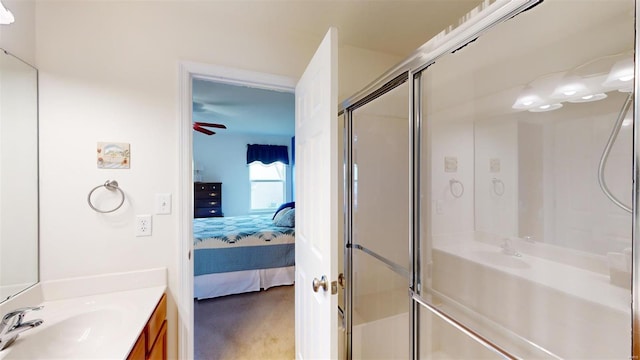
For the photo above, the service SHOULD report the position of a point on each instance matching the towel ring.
(454, 193)
(110, 185)
(498, 184)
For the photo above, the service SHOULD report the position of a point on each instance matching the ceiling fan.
(201, 127)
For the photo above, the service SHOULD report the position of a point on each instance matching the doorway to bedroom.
(244, 217)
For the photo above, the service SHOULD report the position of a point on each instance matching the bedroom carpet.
(256, 325)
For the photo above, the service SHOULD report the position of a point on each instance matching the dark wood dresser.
(207, 200)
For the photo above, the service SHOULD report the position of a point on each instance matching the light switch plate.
(494, 165)
(450, 164)
(163, 204)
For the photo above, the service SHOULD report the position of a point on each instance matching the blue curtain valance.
(267, 154)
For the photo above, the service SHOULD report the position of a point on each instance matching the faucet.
(508, 249)
(12, 325)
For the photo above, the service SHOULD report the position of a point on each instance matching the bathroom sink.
(500, 259)
(85, 335)
(80, 325)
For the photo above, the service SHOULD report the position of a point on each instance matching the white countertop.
(587, 285)
(102, 326)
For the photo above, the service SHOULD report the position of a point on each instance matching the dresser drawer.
(207, 212)
(207, 194)
(207, 187)
(207, 203)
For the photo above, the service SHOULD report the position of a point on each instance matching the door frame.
(187, 71)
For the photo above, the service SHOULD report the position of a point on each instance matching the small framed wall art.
(113, 155)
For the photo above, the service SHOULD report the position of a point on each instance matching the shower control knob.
(322, 283)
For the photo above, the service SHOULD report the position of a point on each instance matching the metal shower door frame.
(470, 28)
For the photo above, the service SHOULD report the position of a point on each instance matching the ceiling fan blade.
(219, 126)
(197, 127)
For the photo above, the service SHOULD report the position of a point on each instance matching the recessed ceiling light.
(569, 86)
(526, 101)
(621, 73)
(546, 107)
(589, 98)
(626, 77)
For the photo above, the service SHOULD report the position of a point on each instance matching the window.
(267, 185)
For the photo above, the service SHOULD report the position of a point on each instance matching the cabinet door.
(159, 349)
(156, 323)
(139, 349)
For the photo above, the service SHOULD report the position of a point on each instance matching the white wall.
(496, 190)
(223, 158)
(109, 72)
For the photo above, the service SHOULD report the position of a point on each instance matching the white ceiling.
(395, 27)
(243, 109)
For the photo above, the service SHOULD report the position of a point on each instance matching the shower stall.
(486, 178)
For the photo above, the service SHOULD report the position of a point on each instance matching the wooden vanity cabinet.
(152, 343)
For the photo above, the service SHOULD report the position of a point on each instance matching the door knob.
(322, 283)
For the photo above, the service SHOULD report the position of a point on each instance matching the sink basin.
(499, 259)
(84, 318)
(86, 335)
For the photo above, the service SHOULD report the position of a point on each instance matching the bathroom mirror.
(18, 175)
(538, 150)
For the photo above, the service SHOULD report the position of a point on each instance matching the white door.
(317, 203)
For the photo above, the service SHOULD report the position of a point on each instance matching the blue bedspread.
(235, 228)
(258, 251)
(211, 261)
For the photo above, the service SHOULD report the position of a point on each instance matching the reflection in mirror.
(533, 254)
(18, 175)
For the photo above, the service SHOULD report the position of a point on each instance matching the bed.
(239, 254)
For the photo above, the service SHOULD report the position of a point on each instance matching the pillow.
(289, 205)
(279, 215)
(287, 219)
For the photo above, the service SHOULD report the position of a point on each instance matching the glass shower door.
(519, 242)
(380, 304)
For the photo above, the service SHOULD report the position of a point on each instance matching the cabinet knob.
(212, 211)
(213, 202)
(213, 194)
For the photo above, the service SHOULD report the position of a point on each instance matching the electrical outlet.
(143, 225)
(163, 204)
